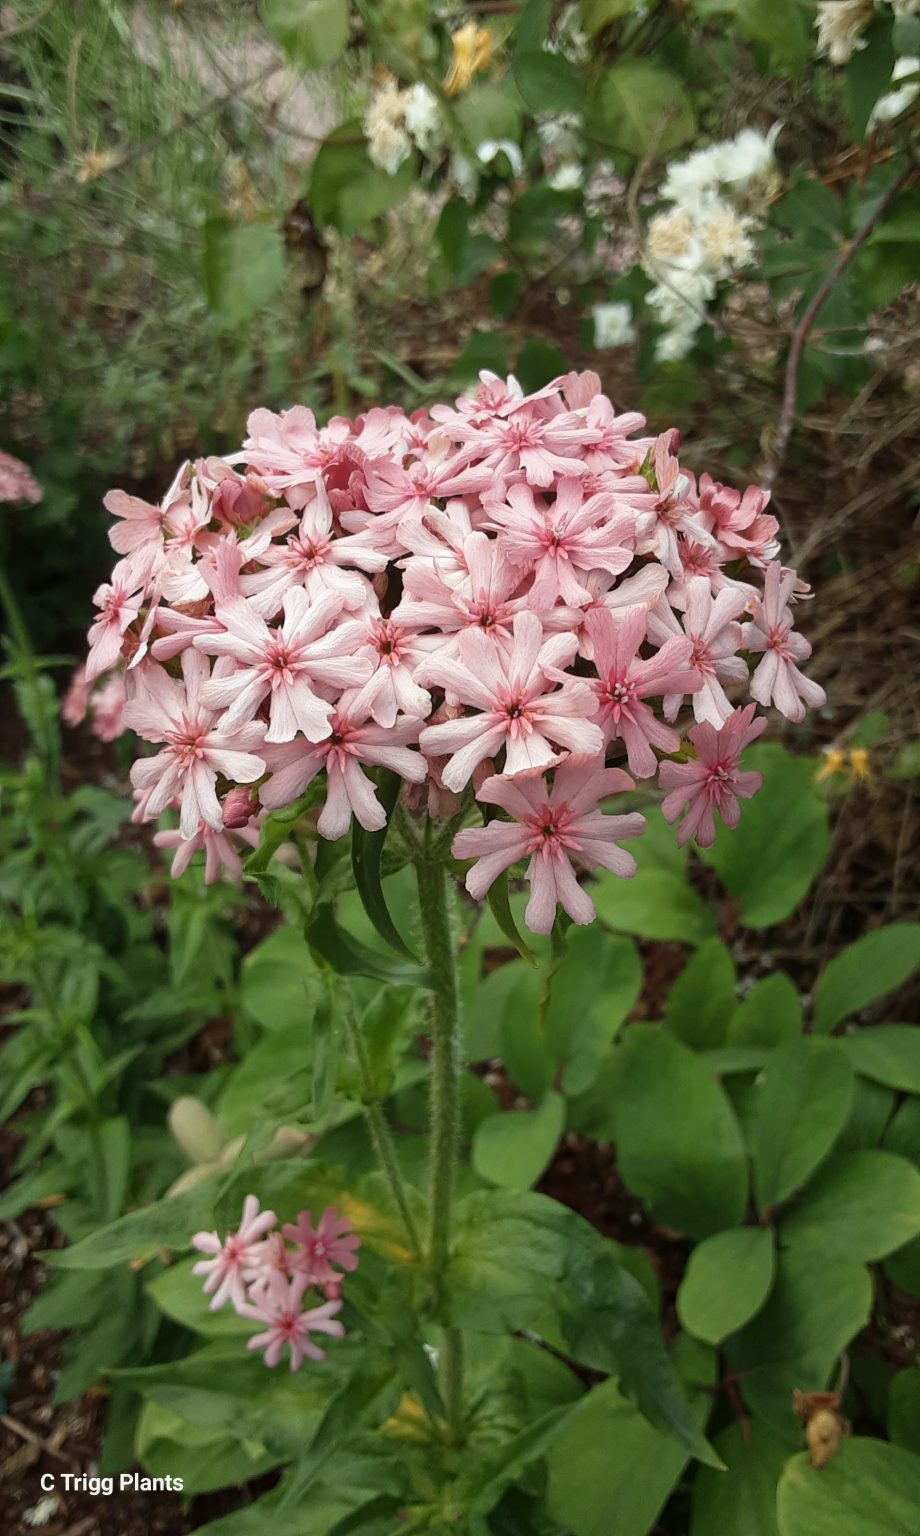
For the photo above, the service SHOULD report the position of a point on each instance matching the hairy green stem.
(440, 954)
(380, 1131)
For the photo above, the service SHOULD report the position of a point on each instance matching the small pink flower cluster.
(266, 1281)
(488, 599)
(17, 483)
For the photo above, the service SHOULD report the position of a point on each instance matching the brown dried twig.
(800, 334)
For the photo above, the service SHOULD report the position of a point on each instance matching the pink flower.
(561, 542)
(740, 523)
(712, 781)
(279, 1304)
(529, 443)
(316, 560)
(624, 680)
(554, 827)
(673, 514)
(777, 679)
(288, 449)
(235, 1261)
(120, 602)
(715, 636)
(310, 647)
(17, 483)
(195, 752)
(76, 699)
(481, 598)
(221, 859)
(142, 524)
(351, 742)
(395, 650)
(107, 707)
(331, 1242)
(521, 710)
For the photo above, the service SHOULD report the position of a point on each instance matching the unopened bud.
(239, 807)
(332, 1290)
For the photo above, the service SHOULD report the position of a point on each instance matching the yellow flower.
(859, 763)
(473, 48)
(95, 163)
(834, 762)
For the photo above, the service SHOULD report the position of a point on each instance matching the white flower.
(690, 182)
(423, 117)
(388, 143)
(684, 302)
(561, 136)
(672, 346)
(893, 103)
(839, 24)
(905, 8)
(724, 239)
(748, 156)
(489, 149)
(613, 325)
(465, 175)
(671, 240)
(567, 177)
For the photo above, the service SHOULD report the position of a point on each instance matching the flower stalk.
(440, 953)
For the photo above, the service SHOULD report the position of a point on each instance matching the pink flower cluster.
(266, 1281)
(492, 599)
(17, 483)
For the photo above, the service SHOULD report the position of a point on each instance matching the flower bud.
(239, 807)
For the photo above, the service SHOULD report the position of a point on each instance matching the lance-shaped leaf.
(366, 853)
(349, 957)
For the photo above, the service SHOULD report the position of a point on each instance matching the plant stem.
(380, 1131)
(440, 954)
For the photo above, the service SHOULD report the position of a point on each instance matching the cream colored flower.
(840, 25)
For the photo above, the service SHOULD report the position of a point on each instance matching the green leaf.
(702, 1000)
(312, 32)
(168, 1445)
(770, 860)
(547, 81)
(465, 254)
(598, 14)
(538, 362)
(869, 74)
(877, 963)
(480, 1486)
(346, 189)
(178, 1293)
(512, 1148)
(349, 957)
(903, 1133)
(743, 1503)
(593, 989)
(802, 1105)
(904, 1409)
(861, 1206)
(888, 1054)
(869, 1114)
(165, 1224)
(500, 907)
(867, 1489)
(366, 853)
(904, 1268)
(642, 108)
(609, 1470)
(522, 1261)
(817, 1306)
(679, 1147)
(654, 904)
(243, 268)
(279, 982)
(770, 1014)
(727, 1281)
